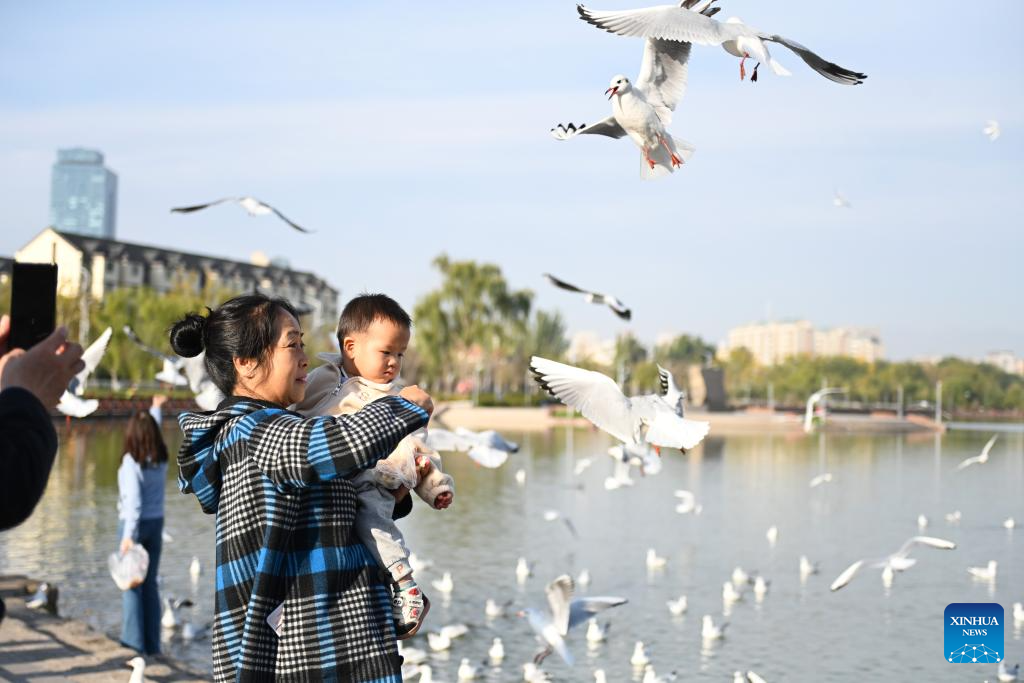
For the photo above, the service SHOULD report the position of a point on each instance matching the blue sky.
(400, 130)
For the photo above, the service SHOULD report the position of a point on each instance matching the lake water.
(799, 632)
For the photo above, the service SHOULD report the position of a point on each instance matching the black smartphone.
(33, 303)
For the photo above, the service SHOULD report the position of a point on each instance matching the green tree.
(472, 324)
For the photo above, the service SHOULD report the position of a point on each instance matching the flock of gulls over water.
(643, 425)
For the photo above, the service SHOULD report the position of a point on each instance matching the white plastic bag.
(129, 570)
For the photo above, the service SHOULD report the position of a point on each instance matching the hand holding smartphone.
(33, 304)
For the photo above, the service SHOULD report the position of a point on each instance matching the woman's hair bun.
(187, 335)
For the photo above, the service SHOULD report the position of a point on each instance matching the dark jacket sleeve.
(28, 445)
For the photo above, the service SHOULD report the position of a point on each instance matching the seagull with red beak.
(644, 110)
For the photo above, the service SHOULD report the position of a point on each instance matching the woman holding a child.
(298, 596)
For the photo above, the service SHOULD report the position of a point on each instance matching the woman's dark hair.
(242, 327)
(143, 440)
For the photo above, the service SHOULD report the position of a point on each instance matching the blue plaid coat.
(276, 482)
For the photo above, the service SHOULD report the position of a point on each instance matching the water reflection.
(746, 482)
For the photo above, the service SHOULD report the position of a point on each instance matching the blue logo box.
(974, 633)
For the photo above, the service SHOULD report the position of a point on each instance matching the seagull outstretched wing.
(608, 127)
(595, 395)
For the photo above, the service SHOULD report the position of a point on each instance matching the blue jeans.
(140, 619)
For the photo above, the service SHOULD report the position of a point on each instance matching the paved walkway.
(38, 647)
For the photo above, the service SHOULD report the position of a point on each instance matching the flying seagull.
(680, 24)
(978, 459)
(672, 394)
(565, 613)
(488, 448)
(253, 207)
(634, 420)
(618, 308)
(897, 562)
(992, 130)
(839, 201)
(643, 110)
(207, 395)
(71, 402)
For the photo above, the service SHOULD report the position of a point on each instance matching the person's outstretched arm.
(28, 445)
(295, 452)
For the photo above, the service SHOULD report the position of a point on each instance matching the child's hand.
(443, 500)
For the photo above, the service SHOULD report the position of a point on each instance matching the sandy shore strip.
(464, 414)
(36, 646)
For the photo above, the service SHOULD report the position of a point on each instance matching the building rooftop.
(115, 249)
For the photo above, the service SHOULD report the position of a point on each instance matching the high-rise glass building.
(83, 194)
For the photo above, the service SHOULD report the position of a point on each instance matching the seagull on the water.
(980, 459)
(739, 576)
(555, 515)
(839, 201)
(442, 640)
(524, 569)
(754, 678)
(922, 521)
(493, 610)
(521, 477)
(1006, 674)
(708, 629)
(760, 588)
(729, 593)
(595, 632)
(896, 562)
(807, 567)
(825, 478)
(986, 573)
(71, 402)
(534, 674)
(954, 517)
(487, 449)
(583, 578)
(639, 658)
(678, 23)
(1009, 523)
(687, 502)
(195, 569)
(654, 561)
(772, 535)
(565, 612)
(252, 206)
(418, 564)
(634, 420)
(992, 130)
(496, 651)
(466, 671)
(1018, 612)
(678, 606)
(591, 297)
(650, 676)
(444, 585)
(599, 676)
(169, 618)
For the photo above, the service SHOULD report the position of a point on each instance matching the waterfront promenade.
(38, 647)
